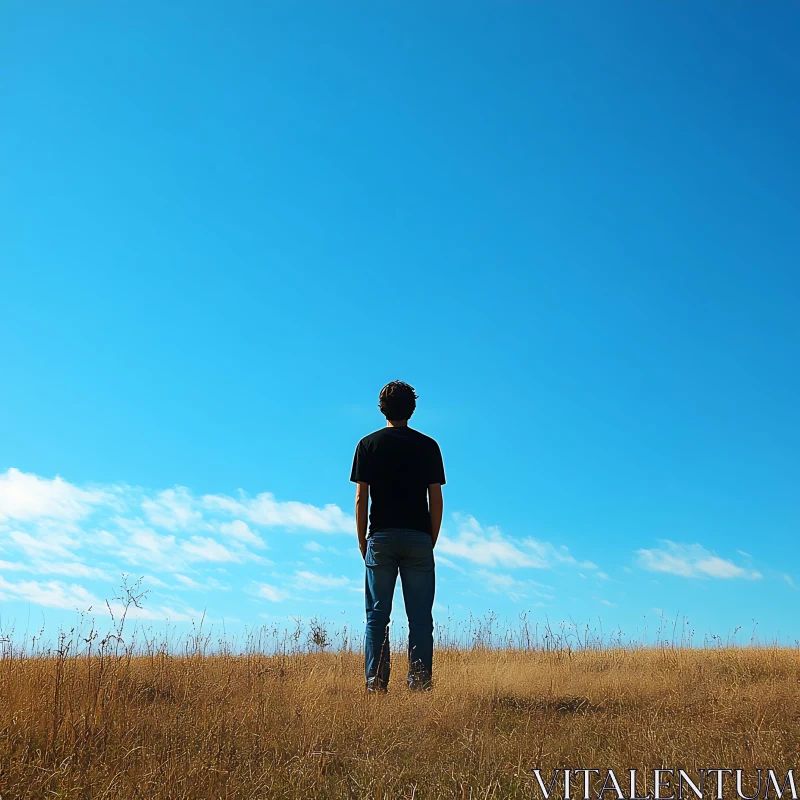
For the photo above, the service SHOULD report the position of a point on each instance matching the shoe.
(376, 686)
(419, 683)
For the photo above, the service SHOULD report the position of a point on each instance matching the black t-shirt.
(398, 464)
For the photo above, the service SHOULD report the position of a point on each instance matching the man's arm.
(436, 503)
(362, 500)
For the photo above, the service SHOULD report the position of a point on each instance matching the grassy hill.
(104, 724)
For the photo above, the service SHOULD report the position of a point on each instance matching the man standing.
(400, 469)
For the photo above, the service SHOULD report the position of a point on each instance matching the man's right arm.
(436, 503)
(362, 516)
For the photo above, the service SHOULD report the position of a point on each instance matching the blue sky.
(573, 228)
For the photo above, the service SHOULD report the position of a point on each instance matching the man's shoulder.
(385, 432)
(426, 443)
(370, 441)
(371, 437)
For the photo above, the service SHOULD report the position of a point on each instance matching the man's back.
(396, 468)
(398, 463)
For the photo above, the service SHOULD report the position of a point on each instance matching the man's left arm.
(362, 503)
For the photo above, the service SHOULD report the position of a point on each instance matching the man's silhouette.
(399, 468)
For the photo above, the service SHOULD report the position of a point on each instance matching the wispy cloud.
(203, 548)
(316, 582)
(490, 547)
(691, 561)
(72, 569)
(511, 587)
(24, 496)
(316, 547)
(75, 597)
(186, 582)
(264, 509)
(173, 509)
(189, 583)
(53, 543)
(51, 594)
(240, 531)
(270, 592)
(49, 526)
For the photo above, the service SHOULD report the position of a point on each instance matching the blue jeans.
(410, 553)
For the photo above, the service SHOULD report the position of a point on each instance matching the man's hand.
(362, 501)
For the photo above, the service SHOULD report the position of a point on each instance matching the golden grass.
(300, 726)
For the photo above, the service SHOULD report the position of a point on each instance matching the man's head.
(397, 401)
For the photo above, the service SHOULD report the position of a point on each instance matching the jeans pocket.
(376, 552)
(369, 558)
(421, 555)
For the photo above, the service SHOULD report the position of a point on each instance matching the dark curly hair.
(397, 401)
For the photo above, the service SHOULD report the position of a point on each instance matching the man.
(400, 469)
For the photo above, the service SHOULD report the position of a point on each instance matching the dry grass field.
(111, 721)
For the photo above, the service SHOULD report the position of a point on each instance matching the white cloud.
(51, 594)
(173, 509)
(145, 545)
(54, 528)
(73, 596)
(720, 568)
(316, 547)
(43, 521)
(241, 531)
(203, 548)
(489, 547)
(265, 510)
(508, 586)
(691, 561)
(74, 569)
(188, 582)
(311, 580)
(152, 579)
(446, 562)
(24, 496)
(169, 553)
(54, 544)
(102, 539)
(270, 592)
(167, 612)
